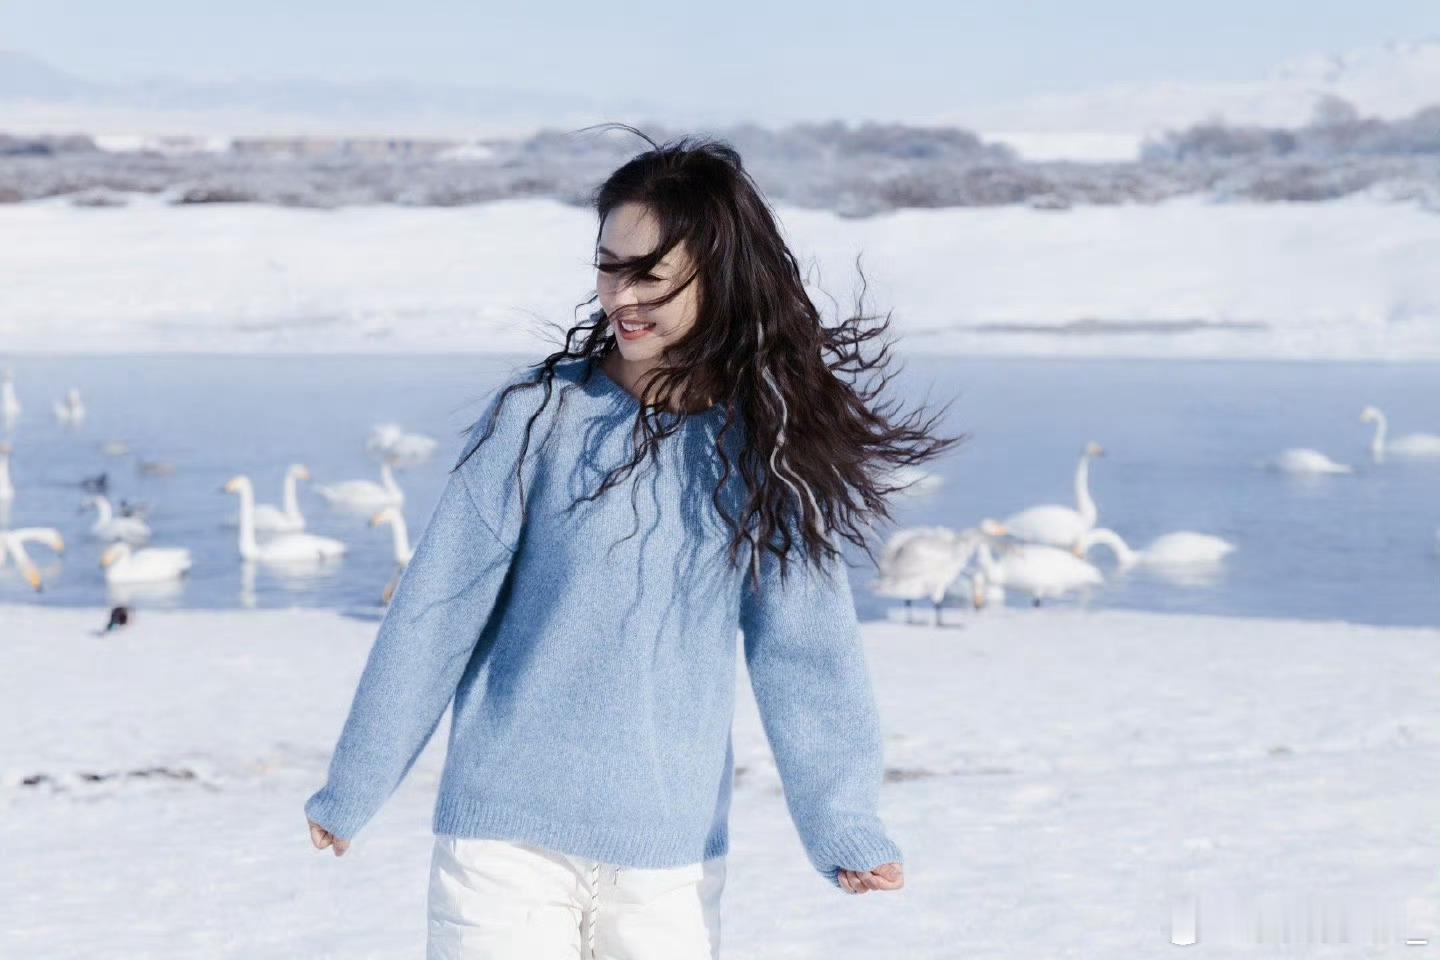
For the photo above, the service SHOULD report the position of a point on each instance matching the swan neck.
(17, 550)
(1377, 442)
(987, 562)
(1109, 538)
(399, 538)
(247, 522)
(1083, 501)
(289, 498)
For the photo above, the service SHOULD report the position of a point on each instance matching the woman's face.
(630, 231)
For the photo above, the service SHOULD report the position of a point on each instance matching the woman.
(588, 640)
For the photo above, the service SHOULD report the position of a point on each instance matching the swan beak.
(977, 596)
(377, 519)
(59, 544)
(303, 473)
(108, 557)
(1077, 551)
(33, 577)
(994, 528)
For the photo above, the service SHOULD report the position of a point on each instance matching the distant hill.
(37, 97)
(1391, 80)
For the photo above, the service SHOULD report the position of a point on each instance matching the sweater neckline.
(631, 401)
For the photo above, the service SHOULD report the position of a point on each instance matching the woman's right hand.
(323, 838)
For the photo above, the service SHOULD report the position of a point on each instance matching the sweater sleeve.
(436, 615)
(807, 669)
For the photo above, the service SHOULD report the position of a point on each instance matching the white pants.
(509, 900)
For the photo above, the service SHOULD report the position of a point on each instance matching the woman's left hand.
(890, 876)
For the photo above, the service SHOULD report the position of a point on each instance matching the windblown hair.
(820, 452)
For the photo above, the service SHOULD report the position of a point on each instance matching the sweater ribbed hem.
(652, 847)
(343, 816)
(856, 850)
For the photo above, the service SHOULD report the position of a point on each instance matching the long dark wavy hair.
(820, 451)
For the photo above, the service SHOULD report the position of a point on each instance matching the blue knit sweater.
(590, 653)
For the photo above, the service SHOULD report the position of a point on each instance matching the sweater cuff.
(342, 816)
(856, 849)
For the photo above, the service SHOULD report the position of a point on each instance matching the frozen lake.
(1183, 439)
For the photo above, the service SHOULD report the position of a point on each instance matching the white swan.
(9, 402)
(71, 409)
(403, 551)
(287, 519)
(1054, 524)
(365, 493)
(7, 486)
(107, 526)
(12, 544)
(392, 443)
(124, 564)
(921, 563)
(1306, 460)
(1041, 571)
(1181, 547)
(283, 547)
(1417, 445)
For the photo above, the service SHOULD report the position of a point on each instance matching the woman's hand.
(323, 838)
(890, 876)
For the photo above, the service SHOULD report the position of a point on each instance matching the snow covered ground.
(1345, 279)
(1056, 778)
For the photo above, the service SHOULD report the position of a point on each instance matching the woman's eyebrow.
(611, 253)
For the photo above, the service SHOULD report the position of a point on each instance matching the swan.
(403, 550)
(9, 402)
(71, 409)
(1172, 549)
(1306, 460)
(365, 493)
(1040, 570)
(1057, 525)
(401, 538)
(921, 563)
(107, 526)
(272, 519)
(7, 486)
(403, 449)
(124, 564)
(283, 547)
(12, 543)
(1410, 445)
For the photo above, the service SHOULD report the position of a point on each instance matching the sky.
(837, 56)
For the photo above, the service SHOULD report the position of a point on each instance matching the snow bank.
(1054, 778)
(1185, 278)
